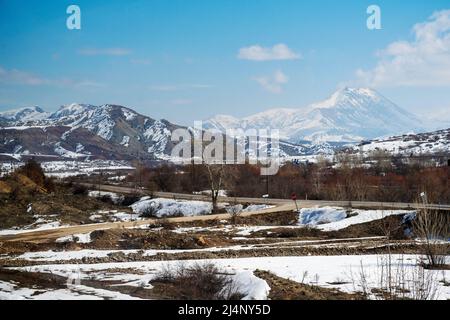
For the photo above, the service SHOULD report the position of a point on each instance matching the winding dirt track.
(280, 205)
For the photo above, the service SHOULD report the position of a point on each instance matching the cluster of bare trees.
(349, 181)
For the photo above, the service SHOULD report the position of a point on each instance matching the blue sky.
(187, 60)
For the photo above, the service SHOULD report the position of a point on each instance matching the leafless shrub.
(235, 211)
(151, 211)
(166, 224)
(129, 199)
(106, 198)
(433, 227)
(199, 281)
(79, 189)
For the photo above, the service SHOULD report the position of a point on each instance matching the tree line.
(347, 180)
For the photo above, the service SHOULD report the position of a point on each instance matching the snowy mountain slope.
(23, 115)
(349, 115)
(436, 142)
(77, 130)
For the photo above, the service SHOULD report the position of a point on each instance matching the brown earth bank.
(285, 289)
(283, 218)
(391, 226)
(24, 208)
(145, 239)
(33, 280)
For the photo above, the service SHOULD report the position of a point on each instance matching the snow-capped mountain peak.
(348, 115)
(350, 96)
(24, 115)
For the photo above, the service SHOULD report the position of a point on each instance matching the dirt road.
(38, 236)
(278, 202)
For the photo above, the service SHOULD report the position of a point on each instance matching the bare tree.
(216, 174)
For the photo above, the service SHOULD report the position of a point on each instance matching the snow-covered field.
(338, 272)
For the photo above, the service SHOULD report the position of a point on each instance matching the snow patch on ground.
(40, 224)
(10, 291)
(128, 114)
(222, 193)
(167, 207)
(317, 216)
(253, 287)
(125, 141)
(116, 198)
(78, 238)
(69, 255)
(124, 217)
(332, 218)
(257, 207)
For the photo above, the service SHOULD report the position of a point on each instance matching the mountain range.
(79, 131)
(83, 131)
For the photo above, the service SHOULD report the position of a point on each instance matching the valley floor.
(103, 245)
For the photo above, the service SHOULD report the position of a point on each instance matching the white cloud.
(20, 77)
(273, 83)
(104, 52)
(15, 76)
(277, 52)
(422, 62)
